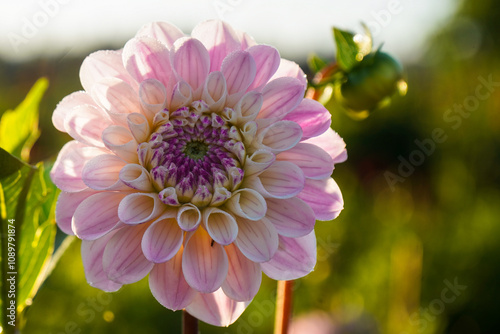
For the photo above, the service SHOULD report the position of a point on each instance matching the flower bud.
(371, 81)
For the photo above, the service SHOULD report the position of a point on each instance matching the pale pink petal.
(92, 264)
(288, 68)
(291, 217)
(267, 61)
(86, 123)
(239, 70)
(66, 206)
(139, 127)
(146, 58)
(165, 32)
(101, 173)
(244, 276)
(257, 240)
(247, 203)
(258, 161)
(312, 116)
(220, 40)
(191, 62)
(117, 98)
(204, 263)
(215, 91)
(245, 40)
(138, 208)
(332, 143)
(295, 258)
(68, 103)
(136, 177)
(281, 96)
(189, 217)
(67, 170)
(162, 240)
(123, 260)
(96, 215)
(314, 161)
(216, 308)
(119, 140)
(101, 64)
(220, 225)
(324, 197)
(153, 97)
(279, 136)
(168, 285)
(281, 180)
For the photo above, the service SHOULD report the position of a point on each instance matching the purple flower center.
(192, 156)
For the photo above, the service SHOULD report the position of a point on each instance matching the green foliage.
(27, 199)
(347, 49)
(19, 127)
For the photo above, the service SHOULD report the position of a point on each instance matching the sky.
(58, 28)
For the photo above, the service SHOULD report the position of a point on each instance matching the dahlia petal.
(136, 177)
(139, 127)
(67, 170)
(239, 70)
(295, 258)
(204, 264)
(220, 40)
(324, 197)
(314, 161)
(258, 161)
(289, 68)
(168, 285)
(92, 252)
(86, 123)
(291, 217)
(96, 215)
(281, 96)
(165, 32)
(66, 206)
(137, 208)
(281, 180)
(215, 91)
(188, 217)
(247, 203)
(243, 277)
(121, 142)
(220, 225)
(191, 61)
(257, 240)
(153, 97)
(182, 95)
(332, 143)
(123, 260)
(312, 116)
(267, 61)
(117, 98)
(248, 107)
(101, 64)
(68, 103)
(245, 40)
(216, 308)
(101, 173)
(146, 58)
(280, 136)
(162, 240)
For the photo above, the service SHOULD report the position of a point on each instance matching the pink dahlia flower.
(198, 161)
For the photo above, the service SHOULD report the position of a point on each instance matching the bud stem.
(284, 303)
(189, 323)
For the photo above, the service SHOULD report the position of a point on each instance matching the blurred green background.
(419, 253)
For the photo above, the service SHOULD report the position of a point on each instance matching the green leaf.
(347, 49)
(19, 127)
(28, 196)
(315, 63)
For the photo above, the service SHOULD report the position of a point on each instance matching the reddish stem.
(284, 303)
(189, 323)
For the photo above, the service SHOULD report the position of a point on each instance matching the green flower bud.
(372, 80)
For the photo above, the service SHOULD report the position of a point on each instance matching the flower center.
(193, 156)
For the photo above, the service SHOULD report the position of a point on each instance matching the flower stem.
(189, 323)
(283, 307)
